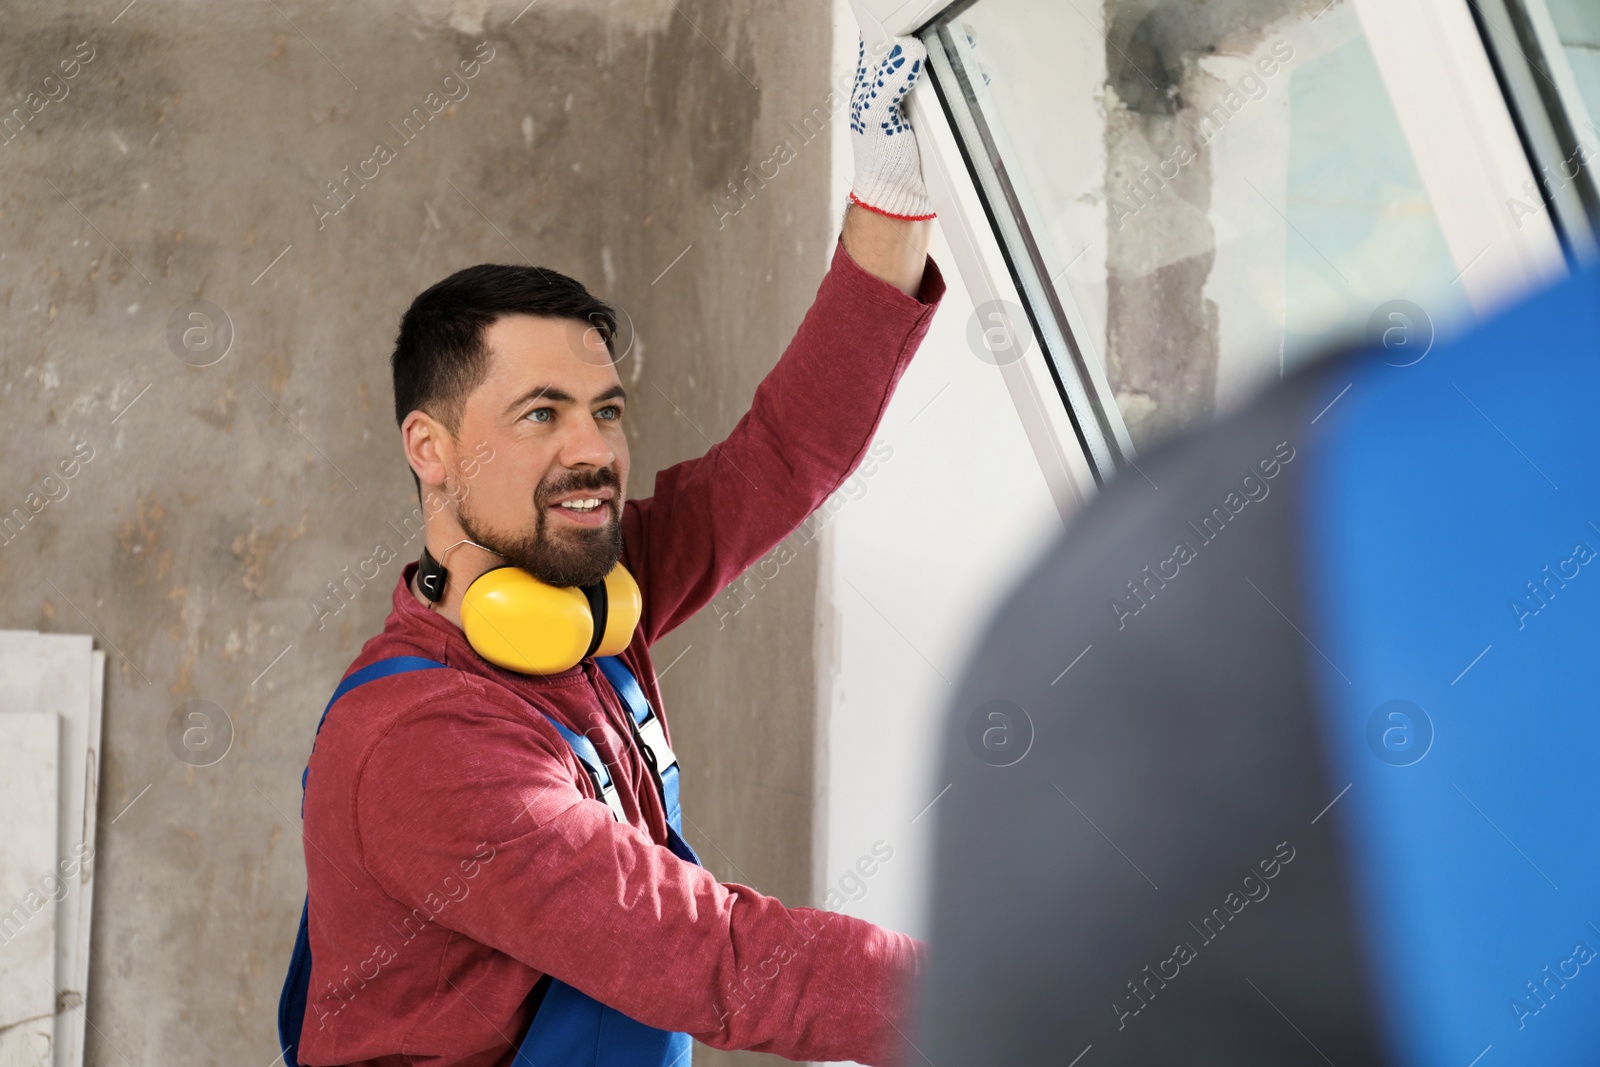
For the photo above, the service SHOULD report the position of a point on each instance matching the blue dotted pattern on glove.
(863, 97)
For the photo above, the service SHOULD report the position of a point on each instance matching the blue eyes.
(544, 415)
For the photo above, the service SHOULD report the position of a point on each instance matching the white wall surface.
(913, 568)
(914, 565)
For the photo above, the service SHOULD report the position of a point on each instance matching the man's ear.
(429, 448)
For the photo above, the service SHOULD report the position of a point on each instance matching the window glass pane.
(1220, 190)
(1577, 24)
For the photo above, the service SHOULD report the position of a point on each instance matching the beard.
(577, 556)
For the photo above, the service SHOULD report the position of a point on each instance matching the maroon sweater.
(455, 850)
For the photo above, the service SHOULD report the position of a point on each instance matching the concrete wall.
(184, 163)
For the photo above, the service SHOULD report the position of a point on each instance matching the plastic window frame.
(1452, 108)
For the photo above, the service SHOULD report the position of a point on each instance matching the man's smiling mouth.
(590, 507)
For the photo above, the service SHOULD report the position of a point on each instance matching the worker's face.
(551, 410)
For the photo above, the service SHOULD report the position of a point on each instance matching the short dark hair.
(439, 356)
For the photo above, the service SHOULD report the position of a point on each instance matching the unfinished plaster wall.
(1162, 330)
(1264, 205)
(190, 160)
(1155, 180)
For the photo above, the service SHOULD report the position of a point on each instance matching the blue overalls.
(569, 1027)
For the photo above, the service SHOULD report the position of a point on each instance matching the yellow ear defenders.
(518, 622)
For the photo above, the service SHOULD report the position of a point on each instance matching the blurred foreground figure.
(1287, 754)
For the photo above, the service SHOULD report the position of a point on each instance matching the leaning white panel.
(72, 1008)
(61, 674)
(29, 750)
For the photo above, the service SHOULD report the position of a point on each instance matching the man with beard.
(493, 870)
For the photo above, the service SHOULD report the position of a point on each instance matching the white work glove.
(888, 168)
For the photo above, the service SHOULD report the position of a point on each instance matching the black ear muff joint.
(599, 603)
(431, 576)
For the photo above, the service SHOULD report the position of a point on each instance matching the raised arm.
(815, 413)
(890, 249)
(808, 426)
(887, 225)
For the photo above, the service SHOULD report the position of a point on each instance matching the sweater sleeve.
(810, 422)
(568, 891)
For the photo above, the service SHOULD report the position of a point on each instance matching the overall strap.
(649, 733)
(380, 669)
(297, 983)
(599, 774)
(569, 1027)
(370, 673)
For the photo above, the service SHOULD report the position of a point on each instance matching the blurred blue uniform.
(1322, 786)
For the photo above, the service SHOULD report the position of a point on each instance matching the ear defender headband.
(518, 622)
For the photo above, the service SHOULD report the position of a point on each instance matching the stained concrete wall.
(1162, 329)
(185, 160)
